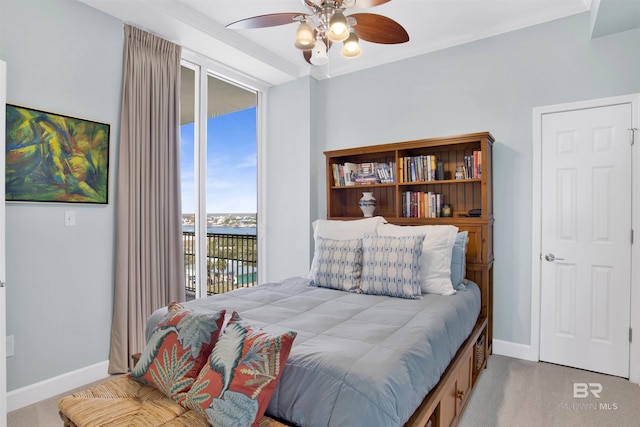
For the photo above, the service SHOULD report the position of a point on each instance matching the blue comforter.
(358, 360)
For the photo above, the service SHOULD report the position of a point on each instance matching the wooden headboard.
(479, 261)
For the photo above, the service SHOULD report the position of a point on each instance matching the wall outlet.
(9, 343)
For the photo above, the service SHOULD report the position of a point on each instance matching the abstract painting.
(55, 158)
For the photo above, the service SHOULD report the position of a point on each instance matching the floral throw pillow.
(177, 349)
(236, 384)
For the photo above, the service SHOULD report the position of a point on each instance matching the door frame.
(536, 221)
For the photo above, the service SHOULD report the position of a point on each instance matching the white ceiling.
(268, 54)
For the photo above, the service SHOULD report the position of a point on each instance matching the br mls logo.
(582, 390)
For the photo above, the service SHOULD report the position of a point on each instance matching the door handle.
(552, 257)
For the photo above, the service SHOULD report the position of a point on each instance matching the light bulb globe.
(304, 37)
(338, 29)
(351, 47)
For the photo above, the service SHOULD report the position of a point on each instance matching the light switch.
(69, 218)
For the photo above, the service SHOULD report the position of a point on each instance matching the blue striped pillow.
(390, 266)
(337, 264)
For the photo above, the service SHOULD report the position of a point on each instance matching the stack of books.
(418, 168)
(473, 165)
(363, 173)
(418, 204)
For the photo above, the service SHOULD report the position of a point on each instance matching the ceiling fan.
(327, 23)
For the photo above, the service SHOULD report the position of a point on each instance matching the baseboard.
(513, 349)
(33, 393)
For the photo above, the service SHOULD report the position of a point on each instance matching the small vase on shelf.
(367, 203)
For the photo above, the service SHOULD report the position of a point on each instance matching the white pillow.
(345, 230)
(437, 248)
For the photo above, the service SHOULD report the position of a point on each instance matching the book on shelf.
(419, 204)
(365, 173)
(335, 168)
(473, 165)
(418, 168)
(350, 170)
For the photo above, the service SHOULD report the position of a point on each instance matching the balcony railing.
(231, 262)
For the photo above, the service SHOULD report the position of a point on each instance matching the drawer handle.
(460, 394)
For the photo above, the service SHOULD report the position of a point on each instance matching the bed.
(365, 359)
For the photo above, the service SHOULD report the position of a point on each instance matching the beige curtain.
(149, 269)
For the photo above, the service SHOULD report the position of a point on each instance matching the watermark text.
(584, 391)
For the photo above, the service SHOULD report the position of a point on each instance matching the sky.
(231, 164)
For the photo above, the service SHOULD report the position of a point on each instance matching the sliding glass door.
(219, 182)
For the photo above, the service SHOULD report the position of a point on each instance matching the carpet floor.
(509, 393)
(520, 393)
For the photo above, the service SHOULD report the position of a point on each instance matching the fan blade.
(363, 4)
(262, 21)
(379, 29)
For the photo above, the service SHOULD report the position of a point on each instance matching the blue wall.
(63, 57)
(489, 85)
(288, 189)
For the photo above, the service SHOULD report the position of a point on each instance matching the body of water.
(223, 230)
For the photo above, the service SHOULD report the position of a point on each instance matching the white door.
(586, 239)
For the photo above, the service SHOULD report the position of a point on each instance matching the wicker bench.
(124, 402)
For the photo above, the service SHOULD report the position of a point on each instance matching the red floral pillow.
(236, 384)
(177, 349)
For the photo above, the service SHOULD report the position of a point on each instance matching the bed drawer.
(464, 382)
(457, 392)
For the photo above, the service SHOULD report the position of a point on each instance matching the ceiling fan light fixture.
(338, 29)
(351, 47)
(304, 37)
(319, 54)
(328, 22)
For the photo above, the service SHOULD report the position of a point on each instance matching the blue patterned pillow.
(458, 260)
(337, 264)
(391, 266)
